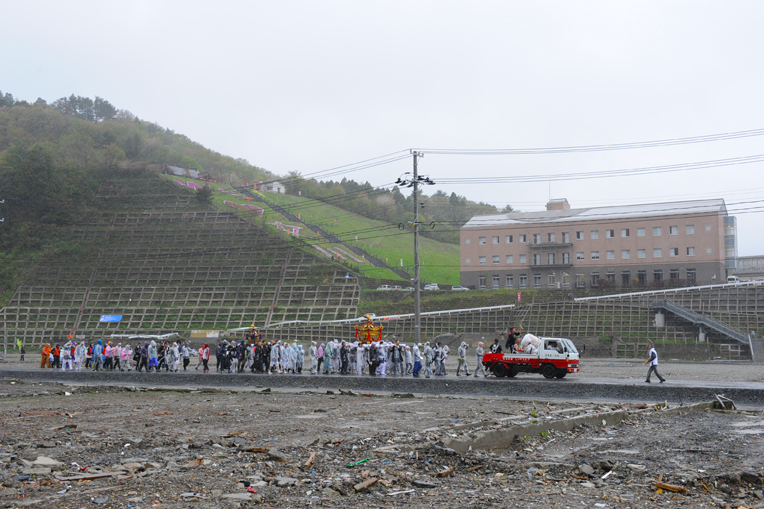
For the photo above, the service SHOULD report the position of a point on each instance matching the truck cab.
(556, 357)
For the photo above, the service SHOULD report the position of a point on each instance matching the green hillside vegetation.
(446, 213)
(381, 239)
(52, 158)
(440, 261)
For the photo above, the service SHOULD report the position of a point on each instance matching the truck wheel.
(500, 370)
(561, 373)
(511, 371)
(548, 370)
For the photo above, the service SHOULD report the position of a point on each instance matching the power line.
(648, 170)
(598, 148)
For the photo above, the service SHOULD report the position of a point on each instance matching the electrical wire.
(598, 148)
(649, 170)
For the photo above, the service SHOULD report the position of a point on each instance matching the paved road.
(521, 387)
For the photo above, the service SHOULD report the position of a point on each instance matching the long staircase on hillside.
(704, 320)
(376, 262)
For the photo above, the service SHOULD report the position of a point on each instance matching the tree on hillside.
(85, 108)
(204, 195)
(6, 100)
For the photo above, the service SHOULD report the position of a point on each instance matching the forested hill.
(53, 157)
(86, 134)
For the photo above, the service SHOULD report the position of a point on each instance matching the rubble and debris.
(230, 448)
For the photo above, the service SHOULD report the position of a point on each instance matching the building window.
(689, 229)
(550, 237)
(537, 280)
(609, 234)
(481, 241)
(550, 258)
(708, 228)
(580, 280)
(495, 282)
(467, 260)
(495, 258)
(610, 255)
(523, 281)
(580, 255)
(690, 251)
(510, 281)
(625, 278)
(657, 231)
(691, 275)
(523, 258)
(481, 260)
(468, 241)
(610, 277)
(595, 277)
(481, 282)
(595, 255)
(657, 253)
(509, 259)
(674, 275)
(551, 280)
(640, 232)
(537, 238)
(537, 259)
(566, 237)
(522, 238)
(595, 234)
(508, 239)
(625, 254)
(709, 250)
(495, 239)
(565, 280)
(624, 232)
(673, 252)
(641, 253)
(642, 277)
(658, 276)
(566, 258)
(673, 230)
(579, 235)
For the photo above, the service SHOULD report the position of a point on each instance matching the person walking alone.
(653, 360)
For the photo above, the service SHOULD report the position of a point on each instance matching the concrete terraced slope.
(164, 262)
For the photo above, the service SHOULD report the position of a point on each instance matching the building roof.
(185, 172)
(676, 208)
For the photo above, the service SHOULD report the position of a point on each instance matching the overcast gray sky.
(305, 86)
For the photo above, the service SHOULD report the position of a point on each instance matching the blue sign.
(111, 318)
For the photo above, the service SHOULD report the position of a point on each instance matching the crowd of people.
(253, 354)
(106, 356)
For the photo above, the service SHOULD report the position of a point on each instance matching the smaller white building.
(273, 186)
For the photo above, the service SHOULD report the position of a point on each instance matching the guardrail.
(379, 318)
(670, 290)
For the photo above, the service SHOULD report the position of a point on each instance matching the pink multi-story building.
(626, 245)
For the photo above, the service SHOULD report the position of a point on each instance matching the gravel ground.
(206, 448)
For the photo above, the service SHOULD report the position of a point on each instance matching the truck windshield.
(569, 346)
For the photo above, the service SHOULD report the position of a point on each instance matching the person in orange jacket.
(45, 361)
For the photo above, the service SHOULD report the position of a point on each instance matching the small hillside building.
(185, 172)
(272, 186)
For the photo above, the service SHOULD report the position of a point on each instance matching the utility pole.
(417, 289)
(414, 182)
